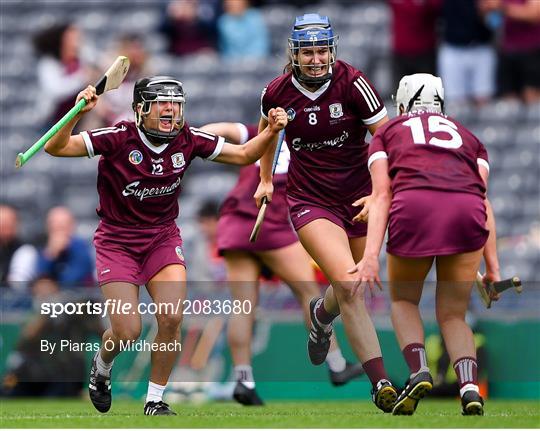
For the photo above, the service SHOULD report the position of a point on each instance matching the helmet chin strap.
(156, 136)
(311, 80)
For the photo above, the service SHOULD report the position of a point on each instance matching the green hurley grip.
(22, 158)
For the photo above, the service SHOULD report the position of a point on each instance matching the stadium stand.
(510, 130)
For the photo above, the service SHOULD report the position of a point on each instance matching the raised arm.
(64, 144)
(254, 149)
(235, 133)
(268, 156)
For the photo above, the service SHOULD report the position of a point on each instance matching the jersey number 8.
(435, 124)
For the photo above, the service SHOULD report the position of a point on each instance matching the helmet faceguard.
(310, 31)
(165, 92)
(420, 91)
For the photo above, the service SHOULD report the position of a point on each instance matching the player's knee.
(446, 315)
(344, 297)
(128, 334)
(169, 323)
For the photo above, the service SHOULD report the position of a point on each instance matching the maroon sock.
(322, 315)
(374, 369)
(466, 370)
(415, 356)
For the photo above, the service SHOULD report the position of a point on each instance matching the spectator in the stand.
(414, 38)
(466, 56)
(518, 72)
(190, 26)
(205, 262)
(17, 260)
(65, 258)
(59, 71)
(242, 32)
(115, 105)
(33, 371)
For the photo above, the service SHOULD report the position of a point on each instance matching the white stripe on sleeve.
(244, 134)
(88, 143)
(263, 114)
(217, 150)
(369, 91)
(376, 156)
(366, 98)
(378, 116)
(483, 163)
(201, 133)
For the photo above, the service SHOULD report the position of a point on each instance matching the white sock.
(468, 387)
(335, 360)
(104, 368)
(155, 392)
(244, 374)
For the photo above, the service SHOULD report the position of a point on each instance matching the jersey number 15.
(435, 124)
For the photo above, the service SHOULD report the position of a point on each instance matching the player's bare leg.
(406, 280)
(243, 271)
(454, 283)
(168, 286)
(329, 245)
(124, 327)
(293, 265)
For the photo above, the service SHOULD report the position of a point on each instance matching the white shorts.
(467, 72)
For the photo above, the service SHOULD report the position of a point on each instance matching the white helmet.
(421, 90)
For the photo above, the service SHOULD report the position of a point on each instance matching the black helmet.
(158, 89)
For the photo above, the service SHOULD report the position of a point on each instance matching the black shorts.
(517, 71)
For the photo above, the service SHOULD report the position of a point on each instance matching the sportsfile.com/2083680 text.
(204, 307)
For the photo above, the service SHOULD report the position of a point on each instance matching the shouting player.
(277, 248)
(137, 241)
(330, 107)
(429, 178)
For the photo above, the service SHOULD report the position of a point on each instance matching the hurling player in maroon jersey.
(429, 178)
(330, 106)
(277, 247)
(137, 241)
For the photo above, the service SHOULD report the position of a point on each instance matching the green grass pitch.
(328, 414)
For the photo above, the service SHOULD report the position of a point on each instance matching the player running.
(137, 241)
(429, 178)
(330, 107)
(277, 248)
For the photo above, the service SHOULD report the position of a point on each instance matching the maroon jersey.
(139, 183)
(240, 198)
(326, 133)
(427, 150)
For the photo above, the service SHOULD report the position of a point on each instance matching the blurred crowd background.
(225, 52)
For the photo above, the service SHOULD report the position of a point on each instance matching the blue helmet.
(312, 30)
